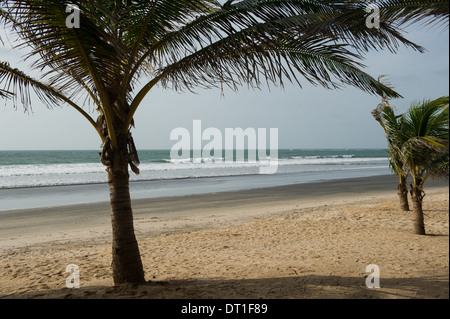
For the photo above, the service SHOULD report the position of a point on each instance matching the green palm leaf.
(426, 138)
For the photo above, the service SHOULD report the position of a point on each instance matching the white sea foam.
(66, 174)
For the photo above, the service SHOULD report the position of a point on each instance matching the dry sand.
(253, 245)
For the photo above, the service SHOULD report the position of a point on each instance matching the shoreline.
(297, 241)
(21, 198)
(55, 222)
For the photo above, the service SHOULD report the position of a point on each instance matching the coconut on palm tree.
(185, 44)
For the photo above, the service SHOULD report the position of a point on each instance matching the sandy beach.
(305, 241)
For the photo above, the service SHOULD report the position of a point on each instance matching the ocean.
(30, 179)
(53, 168)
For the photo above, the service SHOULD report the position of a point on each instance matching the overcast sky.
(311, 117)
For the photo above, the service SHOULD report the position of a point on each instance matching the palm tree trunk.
(403, 194)
(417, 196)
(126, 259)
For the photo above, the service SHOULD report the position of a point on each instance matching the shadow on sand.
(300, 287)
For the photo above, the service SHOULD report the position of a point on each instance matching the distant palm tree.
(384, 113)
(185, 44)
(425, 148)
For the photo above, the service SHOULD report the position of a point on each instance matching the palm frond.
(236, 61)
(6, 94)
(70, 58)
(17, 85)
(343, 22)
(407, 12)
(425, 133)
(392, 125)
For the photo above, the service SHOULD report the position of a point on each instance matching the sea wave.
(13, 176)
(89, 168)
(321, 156)
(43, 169)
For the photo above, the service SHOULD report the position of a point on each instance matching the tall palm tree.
(185, 44)
(390, 122)
(425, 148)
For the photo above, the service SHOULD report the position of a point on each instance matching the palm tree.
(425, 149)
(385, 115)
(185, 44)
